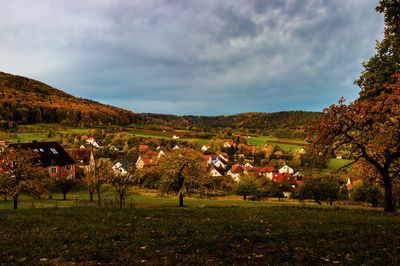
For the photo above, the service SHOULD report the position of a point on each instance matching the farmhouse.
(125, 165)
(286, 170)
(84, 159)
(52, 156)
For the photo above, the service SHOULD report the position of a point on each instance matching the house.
(143, 162)
(91, 140)
(52, 156)
(84, 159)
(266, 171)
(211, 159)
(286, 170)
(223, 156)
(125, 165)
(214, 172)
(228, 143)
(175, 137)
(288, 178)
(95, 143)
(236, 171)
(219, 164)
(143, 149)
(339, 156)
(177, 147)
(205, 147)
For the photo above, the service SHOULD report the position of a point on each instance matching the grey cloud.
(203, 57)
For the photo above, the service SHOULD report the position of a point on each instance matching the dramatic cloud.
(193, 57)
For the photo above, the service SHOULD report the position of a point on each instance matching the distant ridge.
(27, 101)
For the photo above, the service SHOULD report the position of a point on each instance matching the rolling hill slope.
(27, 101)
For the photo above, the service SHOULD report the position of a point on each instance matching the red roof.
(266, 169)
(237, 169)
(278, 177)
(143, 148)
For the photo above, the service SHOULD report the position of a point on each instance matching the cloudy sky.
(206, 57)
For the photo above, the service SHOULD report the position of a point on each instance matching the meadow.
(204, 232)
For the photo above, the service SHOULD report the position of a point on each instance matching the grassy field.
(222, 234)
(337, 163)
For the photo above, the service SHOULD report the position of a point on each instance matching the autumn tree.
(121, 183)
(20, 169)
(247, 185)
(182, 171)
(97, 177)
(370, 126)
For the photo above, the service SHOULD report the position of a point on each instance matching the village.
(227, 162)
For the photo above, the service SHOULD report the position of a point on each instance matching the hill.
(278, 120)
(27, 101)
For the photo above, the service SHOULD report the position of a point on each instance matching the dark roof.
(80, 155)
(50, 153)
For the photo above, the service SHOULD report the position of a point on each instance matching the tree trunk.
(317, 201)
(279, 198)
(244, 197)
(64, 195)
(15, 202)
(120, 201)
(388, 192)
(98, 198)
(91, 195)
(180, 199)
(330, 201)
(5, 197)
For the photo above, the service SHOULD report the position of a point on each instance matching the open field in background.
(228, 233)
(337, 163)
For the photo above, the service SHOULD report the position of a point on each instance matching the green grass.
(149, 134)
(28, 137)
(199, 235)
(260, 140)
(337, 163)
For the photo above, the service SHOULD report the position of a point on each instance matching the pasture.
(225, 233)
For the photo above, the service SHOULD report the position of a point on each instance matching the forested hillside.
(286, 120)
(27, 101)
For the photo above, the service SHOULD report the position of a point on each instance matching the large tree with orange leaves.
(370, 127)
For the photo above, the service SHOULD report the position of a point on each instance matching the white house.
(236, 171)
(286, 170)
(214, 172)
(175, 137)
(205, 147)
(219, 164)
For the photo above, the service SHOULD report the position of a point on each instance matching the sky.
(198, 57)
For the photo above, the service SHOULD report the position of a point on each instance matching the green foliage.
(365, 191)
(247, 185)
(319, 189)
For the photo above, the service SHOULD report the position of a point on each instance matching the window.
(54, 150)
(69, 167)
(53, 170)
